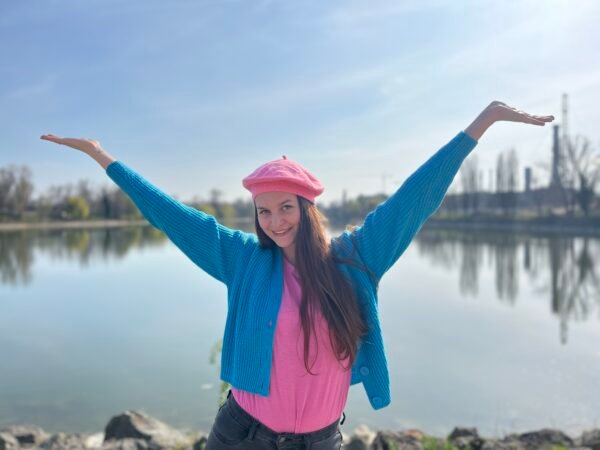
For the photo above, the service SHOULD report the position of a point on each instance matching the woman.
(302, 321)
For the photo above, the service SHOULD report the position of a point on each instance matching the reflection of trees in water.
(563, 268)
(507, 276)
(17, 248)
(470, 264)
(447, 249)
(443, 252)
(573, 285)
(16, 258)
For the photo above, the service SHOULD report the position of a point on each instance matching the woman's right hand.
(90, 147)
(85, 145)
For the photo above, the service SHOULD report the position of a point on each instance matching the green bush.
(77, 208)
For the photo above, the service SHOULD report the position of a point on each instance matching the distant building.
(527, 179)
(534, 199)
(555, 181)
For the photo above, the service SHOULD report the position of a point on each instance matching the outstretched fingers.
(538, 120)
(518, 115)
(52, 138)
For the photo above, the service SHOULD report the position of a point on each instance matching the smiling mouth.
(281, 234)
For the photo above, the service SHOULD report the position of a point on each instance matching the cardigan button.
(376, 401)
(364, 370)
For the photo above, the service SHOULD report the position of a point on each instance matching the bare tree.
(512, 170)
(215, 201)
(500, 176)
(507, 171)
(567, 183)
(470, 184)
(7, 183)
(15, 190)
(584, 165)
(22, 191)
(537, 192)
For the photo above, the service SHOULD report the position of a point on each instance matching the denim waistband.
(258, 427)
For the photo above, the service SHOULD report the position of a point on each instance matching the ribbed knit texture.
(254, 276)
(299, 402)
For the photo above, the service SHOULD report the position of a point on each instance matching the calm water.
(496, 331)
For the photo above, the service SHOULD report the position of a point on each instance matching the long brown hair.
(324, 287)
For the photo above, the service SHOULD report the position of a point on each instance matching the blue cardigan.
(254, 276)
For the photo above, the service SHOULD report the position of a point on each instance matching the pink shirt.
(299, 402)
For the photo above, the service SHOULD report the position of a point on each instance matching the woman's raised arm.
(388, 230)
(90, 147)
(216, 249)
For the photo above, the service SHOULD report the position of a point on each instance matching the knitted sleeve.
(388, 230)
(210, 245)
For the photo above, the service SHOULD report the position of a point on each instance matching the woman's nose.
(276, 221)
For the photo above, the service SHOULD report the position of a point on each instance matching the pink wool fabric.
(299, 402)
(283, 175)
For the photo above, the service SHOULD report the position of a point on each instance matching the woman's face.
(278, 212)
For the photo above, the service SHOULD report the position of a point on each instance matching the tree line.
(62, 202)
(80, 201)
(578, 171)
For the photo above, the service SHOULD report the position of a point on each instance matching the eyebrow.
(285, 201)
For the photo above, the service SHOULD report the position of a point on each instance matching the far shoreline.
(545, 225)
(572, 226)
(17, 226)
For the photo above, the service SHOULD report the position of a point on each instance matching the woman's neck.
(288, 254)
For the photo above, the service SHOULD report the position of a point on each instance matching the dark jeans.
(235, 428)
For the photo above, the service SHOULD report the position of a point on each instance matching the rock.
(138, 425)
(591, 439)
(415, 433)
(361, 439)
(465, 438)
(64, 441)
(388, 440)
(26, 434)
(494, 444)
(8, 442)
(463, 432)
(94, 441)
(130, 444)
(133, 430)
(544, 439)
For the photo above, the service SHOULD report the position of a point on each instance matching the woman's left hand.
(499, 112)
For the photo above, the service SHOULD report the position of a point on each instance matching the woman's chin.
(283, 242)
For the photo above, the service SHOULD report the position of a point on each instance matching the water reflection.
(16, 258)
(17, 248)
(561, 268)
(68, 342)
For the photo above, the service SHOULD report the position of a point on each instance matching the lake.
(489, 330)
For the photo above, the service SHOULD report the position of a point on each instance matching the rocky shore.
(135, 430)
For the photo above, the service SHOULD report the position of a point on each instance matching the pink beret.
(283, 175)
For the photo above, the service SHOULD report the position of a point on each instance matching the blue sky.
(194, 95)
